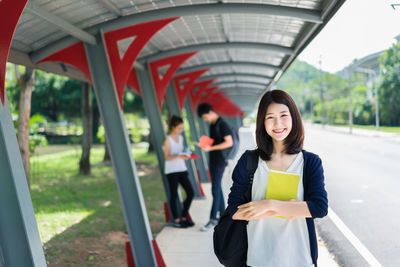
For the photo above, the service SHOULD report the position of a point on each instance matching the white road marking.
(364, 252)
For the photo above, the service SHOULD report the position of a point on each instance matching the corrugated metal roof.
(279, 27)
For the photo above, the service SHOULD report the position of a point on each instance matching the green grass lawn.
(390, 129)
(75, 212)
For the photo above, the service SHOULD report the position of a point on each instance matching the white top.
(276, 241)
(175, 148)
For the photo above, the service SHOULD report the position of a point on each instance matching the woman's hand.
(185, 157)
(255, 210)
(207, 149)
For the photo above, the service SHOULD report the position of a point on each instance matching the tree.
(25, 82)
(389, 88)
(87, 121)
(47, 97)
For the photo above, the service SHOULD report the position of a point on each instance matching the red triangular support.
(121, 67)
(195, 96)
(201, 188)
(222, 104)
(10, 12)
(160, 84)
(133, 81)
(74, 55)
(191, 78)
(202, 94)
(157, 253)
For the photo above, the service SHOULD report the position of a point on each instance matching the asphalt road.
(362, 175)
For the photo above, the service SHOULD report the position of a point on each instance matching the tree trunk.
(96, 124)
(87, 121)
(107, 157)
(150, 139)
(26, 83)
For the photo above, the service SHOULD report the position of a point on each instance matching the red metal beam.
(133, 81)
(10, 12)
(74, 55)
(190, 78)
(173, 63)
(121, 65)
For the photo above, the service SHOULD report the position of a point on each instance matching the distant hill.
(299, 72)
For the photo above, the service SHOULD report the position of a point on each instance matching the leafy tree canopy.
(389, 87)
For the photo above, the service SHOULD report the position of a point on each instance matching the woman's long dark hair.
(173, 122)
(294, 141)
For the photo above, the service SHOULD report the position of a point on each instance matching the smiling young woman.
(280, 232)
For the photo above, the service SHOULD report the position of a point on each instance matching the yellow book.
(282, 185)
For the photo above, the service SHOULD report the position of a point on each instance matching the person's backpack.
(230, 236)
(230, 152)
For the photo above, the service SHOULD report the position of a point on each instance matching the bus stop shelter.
(226, 53)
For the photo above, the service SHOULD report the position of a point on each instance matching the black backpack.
(230, 152)
(230, 236)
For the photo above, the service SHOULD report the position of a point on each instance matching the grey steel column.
(201, 162)
(173, 107)
(121, 155)
(2, 263)
(228, 120)
(157, 130)
(239, 121)
(234, 122)
(19, 235)
(204, 129)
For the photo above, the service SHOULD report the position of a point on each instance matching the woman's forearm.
(171, 157)
(260, 209)
(223, 145)
(291, 209)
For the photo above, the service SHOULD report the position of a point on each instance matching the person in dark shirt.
(221, 133)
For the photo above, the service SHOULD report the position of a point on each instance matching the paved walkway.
(190, 247)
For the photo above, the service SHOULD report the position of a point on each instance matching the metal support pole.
(350, 105)
(371, 77)
(231, 121)
(204, 129)
(19, 235)
(173, 107)
(235, 122)
(121, 155)
(201, 162)
(376, 108)
(157, 130)
(239, 121)
(2, 263)
(321, 94)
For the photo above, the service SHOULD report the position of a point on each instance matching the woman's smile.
(279, 131)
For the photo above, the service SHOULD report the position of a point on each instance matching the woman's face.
(178, 129)
(278, 121)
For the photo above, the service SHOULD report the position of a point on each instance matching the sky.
(359, 28)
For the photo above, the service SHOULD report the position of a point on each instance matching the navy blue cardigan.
(314, 193)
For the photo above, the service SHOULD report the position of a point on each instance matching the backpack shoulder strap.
(251, 164)
(251, 167)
